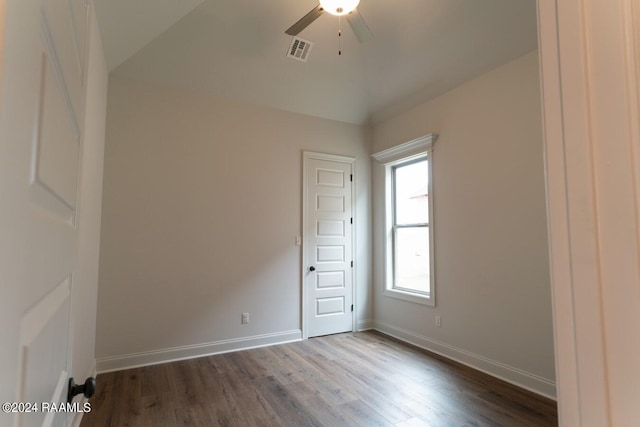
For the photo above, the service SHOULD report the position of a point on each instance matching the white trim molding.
(364, 325)
(155, 357)
(590, 68)
(406, 151)
(510, 374)
(417, 149)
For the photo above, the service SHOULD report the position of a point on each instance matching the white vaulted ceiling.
(236, 49)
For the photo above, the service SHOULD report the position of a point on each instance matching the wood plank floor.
(354, 379)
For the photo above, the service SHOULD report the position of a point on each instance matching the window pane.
(412, 258)
(411, 192)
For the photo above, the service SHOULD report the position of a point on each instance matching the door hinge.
(351, 177)
(351, 307)
(351, 263)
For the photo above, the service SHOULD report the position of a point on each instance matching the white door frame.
(590, 69)
(306, 156)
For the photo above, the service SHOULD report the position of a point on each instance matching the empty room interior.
(203, 181)
(288, 213)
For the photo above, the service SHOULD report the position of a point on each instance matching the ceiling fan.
(345, 8)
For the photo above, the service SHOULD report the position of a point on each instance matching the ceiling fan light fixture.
(339, 7)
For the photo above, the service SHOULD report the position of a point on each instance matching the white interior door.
(328, 245)
(41, 121)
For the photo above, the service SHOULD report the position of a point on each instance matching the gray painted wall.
(491, 256)
(202, 203)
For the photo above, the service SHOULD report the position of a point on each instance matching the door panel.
(329, 254)
(330, 228)
(330, 178)
(328, 203)
(62, 33)
(329, 279)
(57, 145)
(41, 121)
(327, 306)
(328, 246)
(43, 374)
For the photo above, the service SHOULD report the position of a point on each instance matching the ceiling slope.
(421, 49)
(128, 25)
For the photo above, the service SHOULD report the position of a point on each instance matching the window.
(410, 228)
(408, 237)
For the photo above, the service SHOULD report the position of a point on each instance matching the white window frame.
(411, 151)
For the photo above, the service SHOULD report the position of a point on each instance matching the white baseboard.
(518, 377)
(118, 363)
(364, 325)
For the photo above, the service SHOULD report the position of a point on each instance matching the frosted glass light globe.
(339, 7)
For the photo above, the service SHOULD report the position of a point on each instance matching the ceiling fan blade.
(305, 21)
(359, 27)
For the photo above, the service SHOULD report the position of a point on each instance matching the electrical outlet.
(245, 318)
(438, 321)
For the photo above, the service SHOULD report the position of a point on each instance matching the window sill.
(409, 296)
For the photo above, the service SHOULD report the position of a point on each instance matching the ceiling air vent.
(299, 49)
